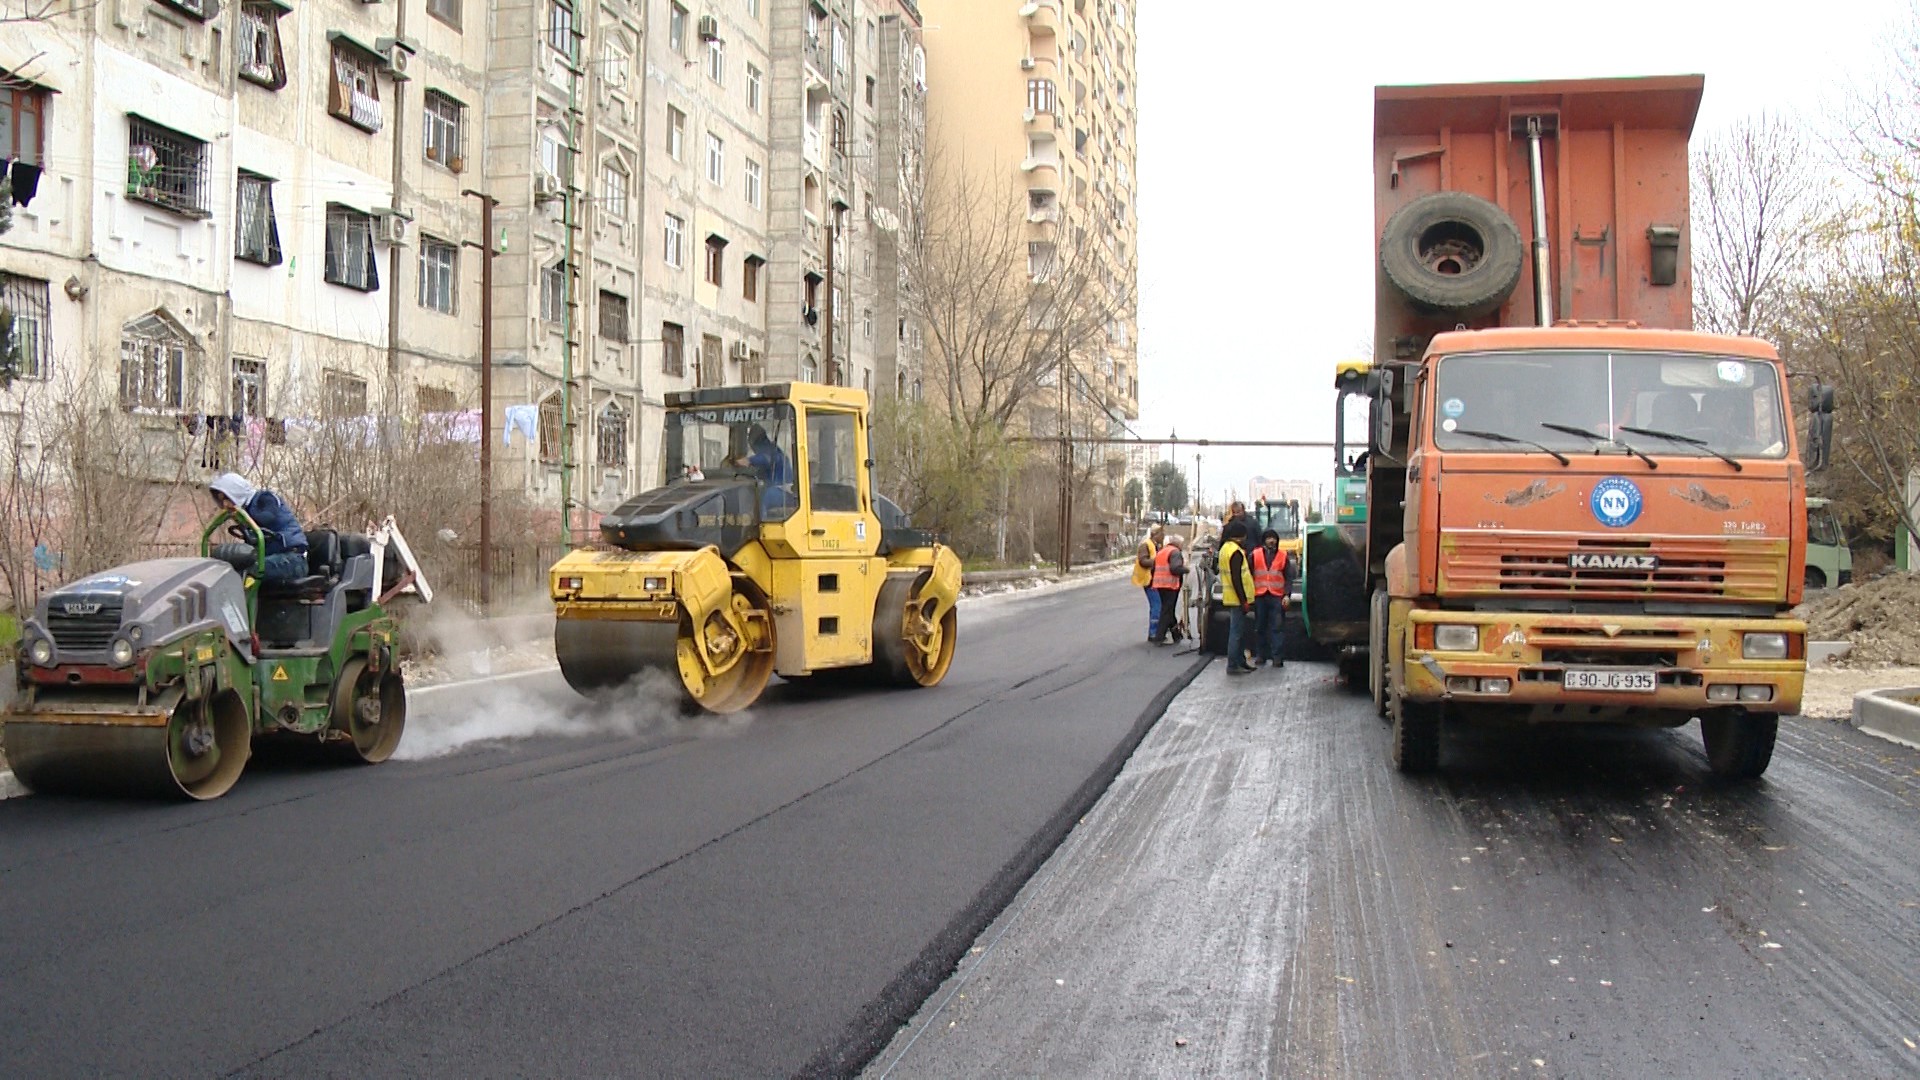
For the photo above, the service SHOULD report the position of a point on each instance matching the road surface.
(1259, 894)
(627, 894)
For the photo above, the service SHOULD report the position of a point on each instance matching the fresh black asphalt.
(645, 896)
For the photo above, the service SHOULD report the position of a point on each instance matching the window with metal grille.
(166, 168)
(711, 372)
(353, 92)
(350, 258)
(550, 430)
(613, 316)
(257, 37)
(553, 292)
(153, 364)
(256, 236)
(23, 119)
(716, 260)
(610, 442)
(249, 388)
(443, 129)
(439, 275)
(673, 348)
(344, 394)
(447, 11)
(28, 344)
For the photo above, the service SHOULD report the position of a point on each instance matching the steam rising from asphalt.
(498, 712)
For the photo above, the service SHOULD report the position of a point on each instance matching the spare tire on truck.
(1452, 253)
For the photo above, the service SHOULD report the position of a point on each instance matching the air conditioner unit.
(740, 351)
(390, 228)
(709, 28)
(397, 65)
(1026, 63)
(547, 186)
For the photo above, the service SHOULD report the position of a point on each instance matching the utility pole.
(487, 203)
(826, 302)
(1199, 495)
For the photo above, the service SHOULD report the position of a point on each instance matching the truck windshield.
(733, 440)
(1709, 404)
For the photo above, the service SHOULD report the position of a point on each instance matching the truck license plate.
(1632, 682)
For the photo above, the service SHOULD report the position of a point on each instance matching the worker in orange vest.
(1169, 566)
(1143, 575)
(1272, 585)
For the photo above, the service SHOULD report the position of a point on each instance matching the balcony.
(1043, 16)
(814, 147)
(818, 65)
(1044, 120)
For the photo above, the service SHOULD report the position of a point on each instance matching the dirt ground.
(1880, 617)
(1830, 690)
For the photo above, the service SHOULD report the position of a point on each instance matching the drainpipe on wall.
(394, 206)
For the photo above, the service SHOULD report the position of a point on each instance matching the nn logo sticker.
(1616, 502)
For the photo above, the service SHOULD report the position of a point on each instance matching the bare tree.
(1757, 203)
(1019, 306)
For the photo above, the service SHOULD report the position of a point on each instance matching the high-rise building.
(1048, 103)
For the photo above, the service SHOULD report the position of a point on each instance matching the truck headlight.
(1452, 637)
(1763, 646)
(120, 653)
(41, 652)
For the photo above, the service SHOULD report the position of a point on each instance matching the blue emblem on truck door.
(1616, 502)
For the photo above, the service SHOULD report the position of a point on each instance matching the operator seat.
(323, 571)
(1675, 411)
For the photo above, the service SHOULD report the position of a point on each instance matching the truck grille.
(1689, 568)
(83, 633)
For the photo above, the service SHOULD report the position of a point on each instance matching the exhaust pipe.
(1538, 127)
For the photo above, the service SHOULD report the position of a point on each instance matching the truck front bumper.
(1661, 669)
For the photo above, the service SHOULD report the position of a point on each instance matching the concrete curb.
(1893, 714)
(1824, 653)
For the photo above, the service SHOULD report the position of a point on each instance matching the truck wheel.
(1377, 613)
(1816, 578)
(1416, 733)
(1739, 744)
(1452, 253)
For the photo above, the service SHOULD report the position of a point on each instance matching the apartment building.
(1050, 100)
(274, 210)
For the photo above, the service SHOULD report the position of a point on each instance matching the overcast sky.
(1256, 220)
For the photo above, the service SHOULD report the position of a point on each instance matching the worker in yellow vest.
(1236, 594)
(1271, 587)
(1143, 574)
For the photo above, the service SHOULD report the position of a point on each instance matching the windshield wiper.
(1495, 436)
(1686, 440)
(1597, 437)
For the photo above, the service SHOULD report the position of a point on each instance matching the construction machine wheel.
(197, 754)
(911, 645)
(603, 654)
(371, 709)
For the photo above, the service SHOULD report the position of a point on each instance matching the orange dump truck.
(1579, 508)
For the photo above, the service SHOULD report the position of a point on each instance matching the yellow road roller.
(765, 551)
